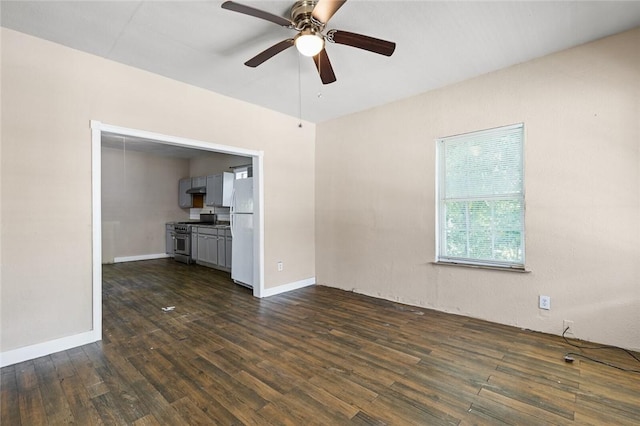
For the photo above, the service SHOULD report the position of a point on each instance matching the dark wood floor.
(312, 356)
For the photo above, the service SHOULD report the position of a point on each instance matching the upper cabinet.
(185, 200)
(219, 188)
(199, 181)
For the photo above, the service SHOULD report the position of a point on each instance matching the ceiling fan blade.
(251, 11)
(360, 41)
(269, 53)
(324, 67)
(325, 9)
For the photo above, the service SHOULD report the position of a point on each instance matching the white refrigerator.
(242, 232)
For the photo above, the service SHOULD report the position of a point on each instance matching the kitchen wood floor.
(313, 356)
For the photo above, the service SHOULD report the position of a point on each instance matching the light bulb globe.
(309, 44)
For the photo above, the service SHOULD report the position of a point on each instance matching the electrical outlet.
(545, 302)
(568, 326)
(280, 266)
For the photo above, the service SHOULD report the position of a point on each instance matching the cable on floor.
(568, 355)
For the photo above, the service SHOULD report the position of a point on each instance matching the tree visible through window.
(481, 198)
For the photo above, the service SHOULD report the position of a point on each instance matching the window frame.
(242, 172)
(440, 182)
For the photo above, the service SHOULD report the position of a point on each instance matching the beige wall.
(375, 184)
(139, 196)
(215, 163)
(49, 95)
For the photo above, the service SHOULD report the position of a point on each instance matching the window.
(480, 196)
(243, 172)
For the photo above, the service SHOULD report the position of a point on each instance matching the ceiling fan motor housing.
(301, 15)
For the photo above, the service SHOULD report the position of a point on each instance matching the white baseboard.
(140, 257)
(26, 353)
(288, 287)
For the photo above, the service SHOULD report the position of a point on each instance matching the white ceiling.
(438, 43)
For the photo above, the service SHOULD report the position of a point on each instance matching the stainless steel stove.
(182, 243)
(182, 230)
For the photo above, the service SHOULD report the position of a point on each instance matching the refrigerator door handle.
(232, 209)
(233, 201)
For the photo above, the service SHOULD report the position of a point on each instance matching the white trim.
(173, 140)
(140, 257)
(52, 346)
(258, 218)
(96, 220)
(288, 287)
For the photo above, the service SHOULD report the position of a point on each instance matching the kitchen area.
(192, 206)
(221, 237)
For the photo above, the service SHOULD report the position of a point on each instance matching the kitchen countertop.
(206, 225)
(212, 226)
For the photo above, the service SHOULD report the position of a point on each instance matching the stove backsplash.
(222, 213)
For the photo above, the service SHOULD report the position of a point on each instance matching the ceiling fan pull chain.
(299, 93)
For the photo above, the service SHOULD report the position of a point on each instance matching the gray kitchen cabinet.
(228, 242)
(222, 252)
(212, 247)
(199, 181)
(184, 200)
(207, 246)
(194, 243)
(219, 188)
(214, 191)
(170, 239)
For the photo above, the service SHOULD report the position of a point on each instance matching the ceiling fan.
(309, 18)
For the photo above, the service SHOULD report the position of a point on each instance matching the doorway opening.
(167, 143)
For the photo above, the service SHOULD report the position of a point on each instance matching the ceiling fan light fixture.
(309, 43)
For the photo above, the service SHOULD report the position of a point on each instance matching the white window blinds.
(481, 198)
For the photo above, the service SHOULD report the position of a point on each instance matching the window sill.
(493, 268)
